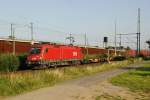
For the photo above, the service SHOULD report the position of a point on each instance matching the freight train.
(49, 55)
(58, 54)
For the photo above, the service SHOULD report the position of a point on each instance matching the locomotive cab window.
(46, 50)
(35, 51)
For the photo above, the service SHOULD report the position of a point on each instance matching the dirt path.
(86, 88)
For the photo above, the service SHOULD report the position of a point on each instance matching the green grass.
(137, 80)
(17, 82)
(106, 96)
(9, 62)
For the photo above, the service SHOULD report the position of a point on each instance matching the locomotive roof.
(54, 45)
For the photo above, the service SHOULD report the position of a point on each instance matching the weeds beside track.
(137, 80)
(18, 82)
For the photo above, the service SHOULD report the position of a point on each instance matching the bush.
(22, 59)
(146, 58)
(102, 56)
(97, 56)
(131, 59)
(119, 58)
(140, 55)
(9, 62)
(88, 57)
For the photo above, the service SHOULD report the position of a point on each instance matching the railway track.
(51, 68)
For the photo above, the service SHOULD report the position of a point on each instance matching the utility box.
(105, 39)
(105, 42)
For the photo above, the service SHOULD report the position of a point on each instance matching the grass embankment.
(15, 83)
(106, 96)
(137, 80)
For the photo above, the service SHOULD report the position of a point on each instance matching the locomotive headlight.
(40, 58)
(33, 58)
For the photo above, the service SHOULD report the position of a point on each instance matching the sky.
(54, 20)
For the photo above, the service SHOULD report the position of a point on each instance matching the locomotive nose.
(34, 58)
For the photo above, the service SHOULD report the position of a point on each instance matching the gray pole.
(70, 38)
(87, 51)
(115, 39)
(13, 36)
(108, 56)
(138, 30)
(11, 31)
(137, 50)
(85, 37)
(120, 41)
(31, 31)
(85, 40)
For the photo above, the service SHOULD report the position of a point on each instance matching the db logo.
(75, 54)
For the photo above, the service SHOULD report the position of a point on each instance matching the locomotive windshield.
(35, 51)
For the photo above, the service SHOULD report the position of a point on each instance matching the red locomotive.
(53, 55)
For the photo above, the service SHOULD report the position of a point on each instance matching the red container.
(145, 53)
(91, 51)
(131, 53)
(21, 46)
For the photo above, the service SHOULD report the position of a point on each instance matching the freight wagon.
(132, 53)
(21, 46)
(101, 54)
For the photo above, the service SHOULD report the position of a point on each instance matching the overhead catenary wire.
(23, 30)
